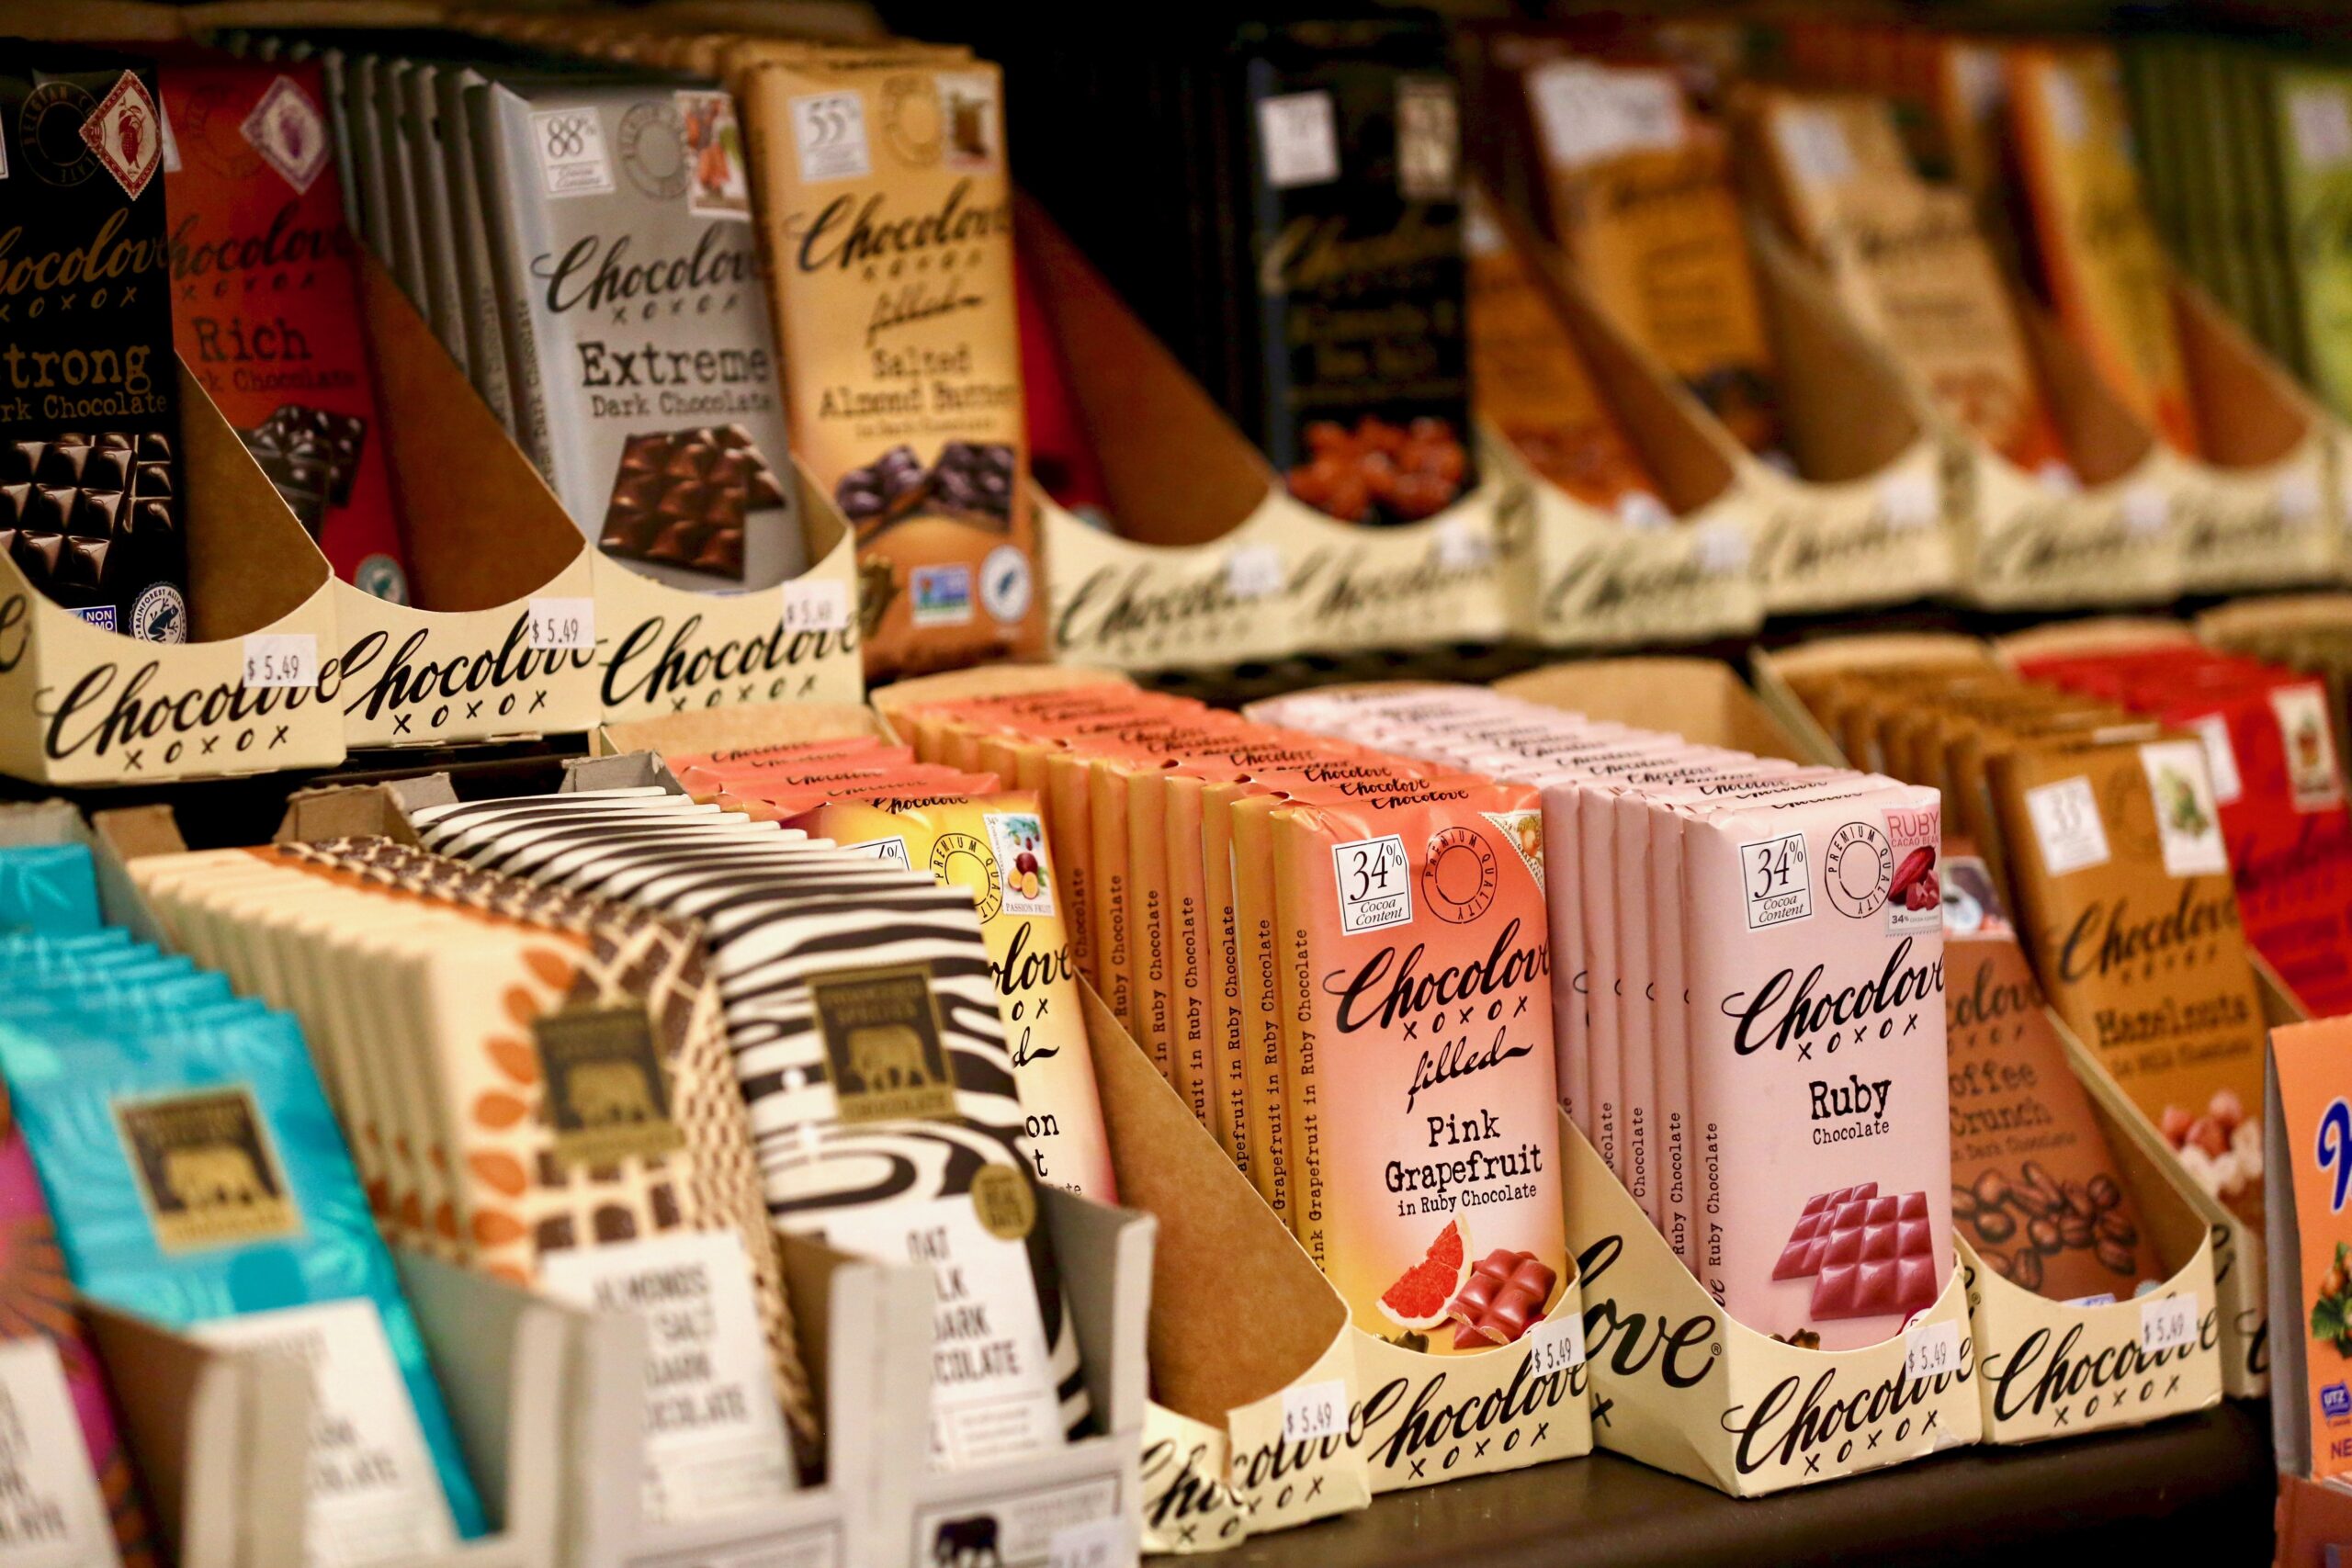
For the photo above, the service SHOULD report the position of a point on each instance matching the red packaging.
(265, 299)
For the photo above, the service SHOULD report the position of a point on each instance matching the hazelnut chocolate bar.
(93, 521)
(682, 498)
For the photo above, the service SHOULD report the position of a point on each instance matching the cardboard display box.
(1214, 563)
(1590, 578)
(82, 705)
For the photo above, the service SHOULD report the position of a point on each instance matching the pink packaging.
(1819, 1103)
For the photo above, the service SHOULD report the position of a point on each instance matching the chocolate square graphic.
(682, 499)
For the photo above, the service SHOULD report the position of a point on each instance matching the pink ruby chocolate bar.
(1800, 1259)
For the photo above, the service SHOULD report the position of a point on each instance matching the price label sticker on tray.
(1463, 546)
(1301, 139)
(2147, 510)
(1253, 571)
(560, 624)
(1315, 1411)
(1909, 499)
(1098, 1543)
(819, 607)
(1932, 1349)
(2167, 1323)
(1556, 1345)
(281, 658)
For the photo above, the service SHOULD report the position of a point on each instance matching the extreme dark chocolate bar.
(89, 421)
(92, 519)
(681, 497)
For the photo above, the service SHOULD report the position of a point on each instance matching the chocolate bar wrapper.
(265, 301)
(1815, 1036)
(639, 349)
(92, 507)
(1356, 250)
(892, 279)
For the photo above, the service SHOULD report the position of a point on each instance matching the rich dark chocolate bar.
(87, 517)
(320, 437)
(681, 497)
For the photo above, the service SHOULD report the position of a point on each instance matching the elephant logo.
(204, 1163)
(883, 1043)
(607, 1094)
(967, 1543)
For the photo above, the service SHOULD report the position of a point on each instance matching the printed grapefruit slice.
(1417, 1299)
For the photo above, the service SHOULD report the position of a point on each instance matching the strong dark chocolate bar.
(89, 421)
(681, 497)
(87, 519)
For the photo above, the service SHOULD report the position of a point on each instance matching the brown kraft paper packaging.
(887, 211)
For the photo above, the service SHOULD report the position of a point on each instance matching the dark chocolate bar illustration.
(680, 499)
(90, 519)
(312, 455)
(971, 480)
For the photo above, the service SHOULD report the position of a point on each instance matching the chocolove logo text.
(668, 668)
(2070, 1378)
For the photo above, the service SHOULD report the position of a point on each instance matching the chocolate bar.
(87, 518)
(1876, 1257)
(601, 393)
(1505, 1294)
(92, 520)
(682, 499)
(1802, 1257)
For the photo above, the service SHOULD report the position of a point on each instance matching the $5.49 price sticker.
(1556, 1345)
(281, 658)
(561, 624)
(1314, 1411)
(2167, 1322)
(1930, 1350)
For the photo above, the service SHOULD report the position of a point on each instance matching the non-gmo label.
(2167, 1323)
(281, 658)
(1374, 885)
(1314, 1411)
(1932, 1349)
(1301, 138)
(571, 145)
(1779, 879)
(828, 135)
(559, 624)
(2067, 825)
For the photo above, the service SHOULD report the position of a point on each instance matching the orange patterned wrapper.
(1417, 1035)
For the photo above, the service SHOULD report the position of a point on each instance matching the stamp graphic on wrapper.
(1915, 894)
(967, 121)
(1374, 884)
(718, 185)
(1779, 881)
(1025, 882)
(1523, 830)
(2189, 825)
(1857, 869)
(205, 1169)
(1458, 875)
(2311, 777)
(125, 134)
(289, 133)
(961, 860)
(883, 1044)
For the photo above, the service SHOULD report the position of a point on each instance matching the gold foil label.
(884, 1044)
(205, 1169)
(606, 1093)
(1001, 1197)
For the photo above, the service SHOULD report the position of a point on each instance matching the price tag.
(2167, 1323)
(2147, 510)
(1301, 138)
(281, 658)
(562, 623)
(1314, 1411)
(1909, 499)
(1556, 1345)
(2323, 126)
(1722, 548)
(821, 606)
(2299, 499)
(1254, 572)
(1932, 1349)
(1463, 546)
(1642, 512)
(1098, 1543)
